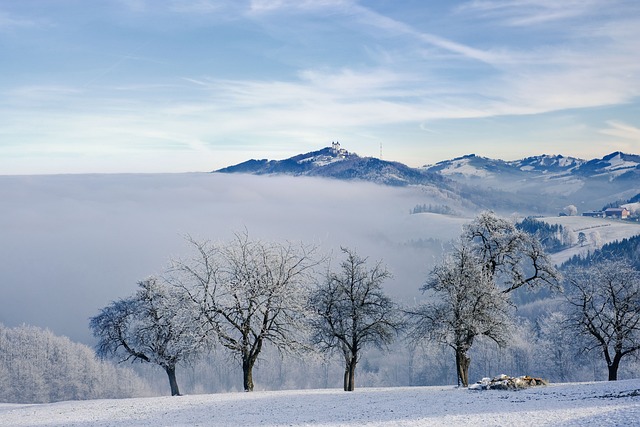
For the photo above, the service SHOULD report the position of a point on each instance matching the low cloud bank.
(73, 243)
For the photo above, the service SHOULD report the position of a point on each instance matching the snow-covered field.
(577, 404)
(599, 231)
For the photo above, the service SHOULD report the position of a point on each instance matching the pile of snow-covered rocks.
(505, 382)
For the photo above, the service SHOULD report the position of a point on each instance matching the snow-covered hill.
(614, 403)
(534, 185)
(557, 180)
(336, 162)
(613, 166)
(598, 232)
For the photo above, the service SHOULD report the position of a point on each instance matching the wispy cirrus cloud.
(622, 130)
(530, 12)
(296, 6)
(196, 6)
(369, 18)
(12, 22)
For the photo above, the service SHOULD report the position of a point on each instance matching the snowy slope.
(579, 404)
(604, 230)
(549, 166)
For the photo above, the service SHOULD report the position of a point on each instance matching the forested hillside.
(624, 249)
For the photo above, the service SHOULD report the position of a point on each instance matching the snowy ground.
(607, 231)
(584, 404)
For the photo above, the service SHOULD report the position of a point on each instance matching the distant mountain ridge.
(613, 166)
(336, 162)
(542, 184)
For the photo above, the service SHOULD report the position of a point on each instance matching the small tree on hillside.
(604, 301)
(154, 326)
(582, 238)
(352, 312)
(466, 304)
(249, 293)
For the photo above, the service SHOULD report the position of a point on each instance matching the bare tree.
(250, 293)
(512, 258)
(466, 304)
(154, 326)
(604, 302)
(493, 259)
(353, 312)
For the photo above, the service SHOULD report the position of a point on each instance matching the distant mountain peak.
(337, 162)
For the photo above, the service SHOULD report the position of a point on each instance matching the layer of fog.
(543, 195)
(70, 244)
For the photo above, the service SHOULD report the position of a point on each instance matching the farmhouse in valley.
(595, 214)
(622, 213)
(616, 213)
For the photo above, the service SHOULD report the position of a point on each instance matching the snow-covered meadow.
(577, 404)
(599, 231)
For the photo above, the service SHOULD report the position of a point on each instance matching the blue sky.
(176, 85)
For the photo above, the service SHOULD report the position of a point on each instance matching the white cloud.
(622, 130)
(42, 93)
(10, 22)
(196, 6)
(268, 6)
(531, 12)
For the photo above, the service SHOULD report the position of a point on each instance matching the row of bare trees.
(244, 294)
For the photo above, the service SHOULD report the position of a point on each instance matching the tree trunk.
(613, 367)
(462, 364)
(346, 376)
(352, 374)
(247, 374)
(171, 373)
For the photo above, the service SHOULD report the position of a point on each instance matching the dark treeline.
(628, 248)
(551, 236)
(437, 209)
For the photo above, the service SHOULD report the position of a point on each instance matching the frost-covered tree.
(156, 325)
(249, 293)
(471, 286)
(595, 239)
(465, 304)
(352, 312)
(604, 307)
(511, 257)
(37, 366)
(569, 237)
